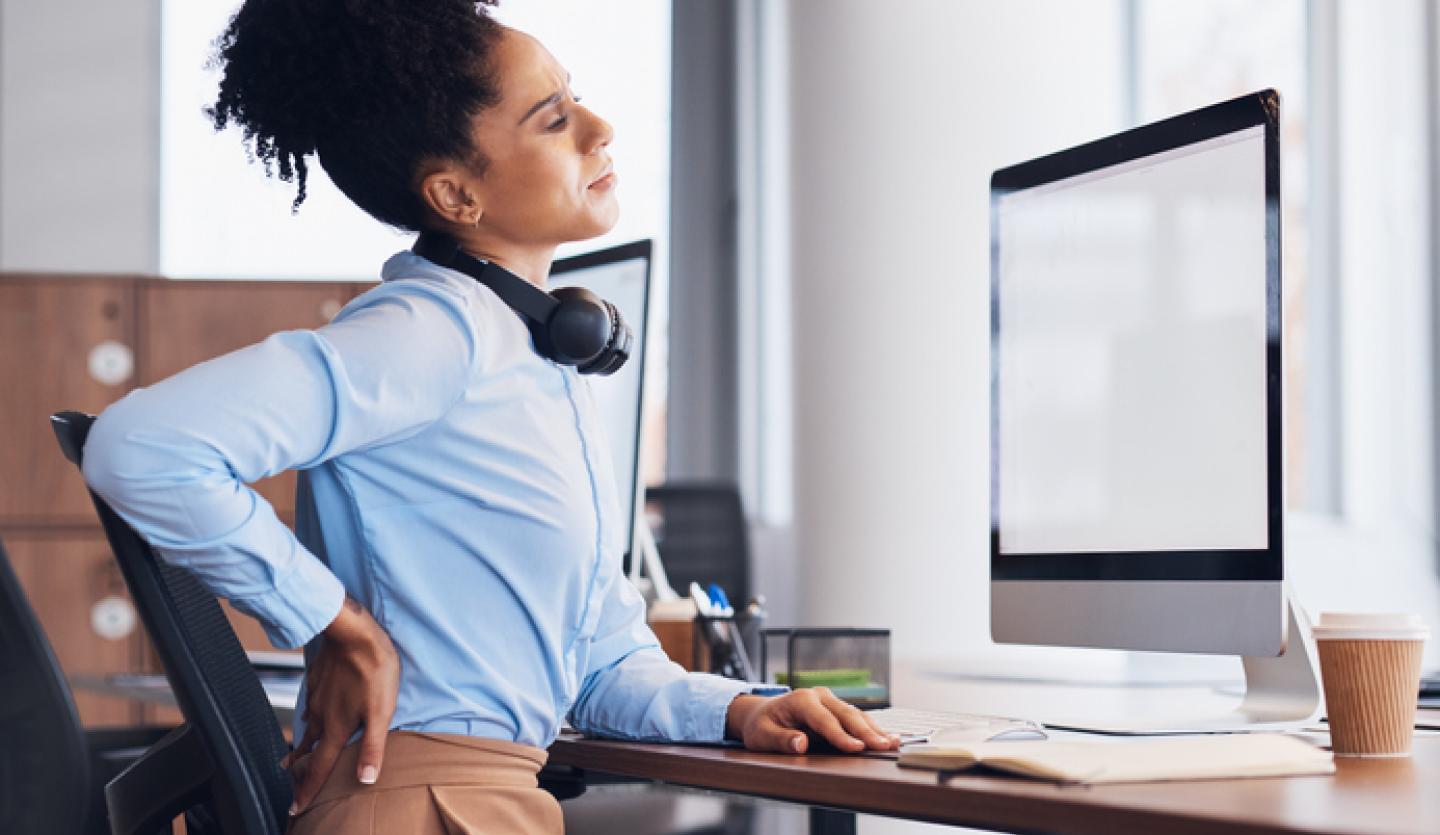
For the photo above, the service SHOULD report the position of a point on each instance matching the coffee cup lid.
(1371, 626)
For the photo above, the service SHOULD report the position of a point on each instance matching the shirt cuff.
(300, 606)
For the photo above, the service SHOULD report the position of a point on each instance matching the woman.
(455, 579)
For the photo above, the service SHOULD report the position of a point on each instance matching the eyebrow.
(540, 105)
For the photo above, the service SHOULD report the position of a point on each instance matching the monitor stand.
(1281, 694)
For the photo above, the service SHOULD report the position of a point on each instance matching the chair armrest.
(111, 750)
(170, 777)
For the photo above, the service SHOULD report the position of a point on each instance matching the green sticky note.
(842, 677)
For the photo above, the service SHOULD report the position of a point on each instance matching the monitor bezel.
(1259, 109)
(599, 258)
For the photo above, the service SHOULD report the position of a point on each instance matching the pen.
(720, 601)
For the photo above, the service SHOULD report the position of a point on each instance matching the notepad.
(1133, 761)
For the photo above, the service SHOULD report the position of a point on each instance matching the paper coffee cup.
(1370, 667)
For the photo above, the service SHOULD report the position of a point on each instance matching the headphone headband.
(571, 326)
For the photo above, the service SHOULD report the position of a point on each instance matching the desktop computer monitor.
(620, 275)
(1136, 390)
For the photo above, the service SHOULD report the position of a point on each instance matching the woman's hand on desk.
(780, 723)
(351, 682)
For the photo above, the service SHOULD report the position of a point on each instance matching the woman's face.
(549, 178)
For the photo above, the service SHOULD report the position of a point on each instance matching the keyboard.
(921, 725)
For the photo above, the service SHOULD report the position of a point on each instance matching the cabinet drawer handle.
(112, 618)
(111, 363)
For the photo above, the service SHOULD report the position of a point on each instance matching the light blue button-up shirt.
(454, 482)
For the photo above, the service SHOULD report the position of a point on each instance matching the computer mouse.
(970, 734)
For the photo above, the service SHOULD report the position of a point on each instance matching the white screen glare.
(1132, 343)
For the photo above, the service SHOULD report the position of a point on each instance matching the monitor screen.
(1135, 401)
(1132, 355)
(620, 275)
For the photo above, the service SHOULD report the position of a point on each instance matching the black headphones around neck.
(570, 325)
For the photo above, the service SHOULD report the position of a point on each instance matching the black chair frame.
(224, 760)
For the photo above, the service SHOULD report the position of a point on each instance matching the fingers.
(312, 736)
(781, 724)
(372, 752)
(770, 733)
(818, 714)
(857, 724)
(318, 769)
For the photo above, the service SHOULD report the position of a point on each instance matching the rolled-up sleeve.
(175, 459)
(632, 690)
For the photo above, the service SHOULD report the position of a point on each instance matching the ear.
(453, 195)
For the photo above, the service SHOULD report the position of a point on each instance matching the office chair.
(701, 533)
(224, 762)
(52, 771)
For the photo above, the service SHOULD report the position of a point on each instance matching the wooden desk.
(1366, 797)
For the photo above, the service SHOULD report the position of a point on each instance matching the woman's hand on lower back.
(786, 723)
(350, 683)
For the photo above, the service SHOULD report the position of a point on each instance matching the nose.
(600, 133)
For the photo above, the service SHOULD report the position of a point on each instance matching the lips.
(605, 180)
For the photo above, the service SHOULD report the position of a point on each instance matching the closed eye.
(564, 118)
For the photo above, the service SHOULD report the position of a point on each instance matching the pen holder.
(853, 663)
(727, 645)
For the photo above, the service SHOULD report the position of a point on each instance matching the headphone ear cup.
(617, 350)
(580, 328)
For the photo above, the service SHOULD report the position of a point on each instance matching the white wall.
(79, 137)
(899, 114)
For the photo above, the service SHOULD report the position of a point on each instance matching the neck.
(531, 263)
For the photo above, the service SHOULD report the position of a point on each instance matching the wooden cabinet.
(75, 587)
(65, 343)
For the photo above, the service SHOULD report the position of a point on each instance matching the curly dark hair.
(373, 88)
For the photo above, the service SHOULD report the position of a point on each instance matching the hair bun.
(377, 84)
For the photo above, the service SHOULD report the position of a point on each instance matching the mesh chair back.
(214, 683)
(701, 534)
(44, 758)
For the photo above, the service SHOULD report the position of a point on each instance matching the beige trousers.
(437, 784)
